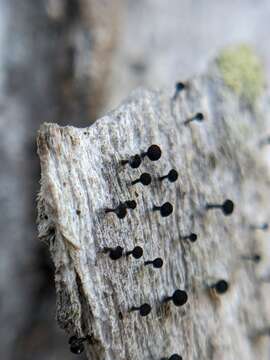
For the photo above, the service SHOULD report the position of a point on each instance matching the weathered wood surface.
(46, 75)
(216, 159)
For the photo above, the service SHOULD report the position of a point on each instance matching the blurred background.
(70, 61)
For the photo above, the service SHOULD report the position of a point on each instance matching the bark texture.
(47, 59)
(217, 159)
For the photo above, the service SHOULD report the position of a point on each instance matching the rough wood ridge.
(216, 159)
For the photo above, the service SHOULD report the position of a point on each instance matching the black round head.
(154, 152)
(173, 175)
(116, 253)
(145, 309)
(179, 297)
(175, 357)
(193, 237)
(121, 211)
(227, 207)
(135, 161)
(221, 286)
(76, 347)
(257, 258)
(157, 263)
(145, 179)
(180, 86)
(166, 209)
(131, 204)
(199, 117)
(265, 226)
(137, 252)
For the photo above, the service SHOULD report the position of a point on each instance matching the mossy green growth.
(242, 71)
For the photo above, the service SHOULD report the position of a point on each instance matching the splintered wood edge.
(216, 159)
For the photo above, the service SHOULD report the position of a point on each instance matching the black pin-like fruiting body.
(179, 297)
(137, 252)
(197, 117)
(221, 286)
(131, 204)
(265, 141)
(227, 207)
(144, 179)
(144, 309)
(157, 263)
(172, 176)
(263, 332)
(265, 279)
(114, 253)
(179, 86)
(173, 357)
(76, 344)
(192, 237)
(120, 210)
(263, 226)
(254, 257)
(134, 161)
(165, 210)
(153, 153)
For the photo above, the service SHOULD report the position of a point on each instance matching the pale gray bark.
(46, 51)
(216, 159)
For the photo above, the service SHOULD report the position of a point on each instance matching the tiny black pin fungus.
(221, 286)
(179, 86)
(192, 237)
(137, 252)
(173, 357)
(165, 210)
(197, 117)
(153, 153)
(120, 210)
(114, 253)
(263, 332)
(144, 179)
(157, 263)
(179, 298)
(265, 141)
(131, 204)
(134, 162)
(144, 309)
(254, 257)
(172, 176)
(263, 226)
(227, 207)
(76, 344)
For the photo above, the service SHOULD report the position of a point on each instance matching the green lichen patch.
(242, 71)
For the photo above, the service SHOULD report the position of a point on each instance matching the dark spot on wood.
(120, 315)
(212, 160)
(182, 194)
(78, 212)
(136, 194)
(72, 9)
(139, 67)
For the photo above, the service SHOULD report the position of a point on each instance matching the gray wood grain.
(216, 159)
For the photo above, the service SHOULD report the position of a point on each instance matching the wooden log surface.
(217, 159)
